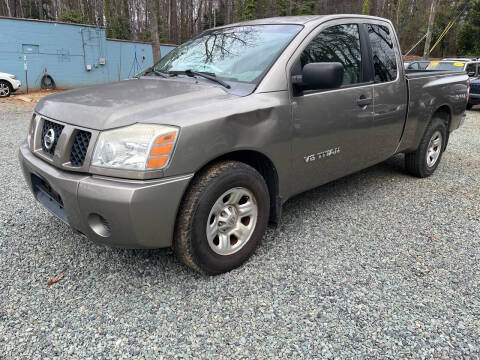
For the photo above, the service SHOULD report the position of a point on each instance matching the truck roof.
(299, 20)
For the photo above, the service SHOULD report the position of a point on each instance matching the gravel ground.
(375, 265)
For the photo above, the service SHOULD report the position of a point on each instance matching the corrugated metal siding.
(65, 50)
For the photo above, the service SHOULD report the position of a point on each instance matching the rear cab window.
(383, 53)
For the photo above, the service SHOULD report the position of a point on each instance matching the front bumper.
(16, 84)
(474, 99)
(115, 212)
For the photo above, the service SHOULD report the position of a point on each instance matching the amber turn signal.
(157, 162)
(161, 150)
(167, 138)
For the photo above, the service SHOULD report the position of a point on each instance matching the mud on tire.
(190, 243)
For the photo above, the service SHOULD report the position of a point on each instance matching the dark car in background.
(474, 97)
(471, 66)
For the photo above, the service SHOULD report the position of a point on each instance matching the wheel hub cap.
(4, 90)
(228, 218)
(434, 148)
(232, 221)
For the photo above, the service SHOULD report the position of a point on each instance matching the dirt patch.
(27, 101)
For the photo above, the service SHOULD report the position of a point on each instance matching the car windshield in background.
(446, 65)
(242, 53)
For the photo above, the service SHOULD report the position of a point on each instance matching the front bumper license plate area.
(48, 197)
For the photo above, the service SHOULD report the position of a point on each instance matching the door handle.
(364, 101)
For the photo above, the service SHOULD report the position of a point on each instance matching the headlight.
(136, 147)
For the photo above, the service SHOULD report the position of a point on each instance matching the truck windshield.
(240, 53)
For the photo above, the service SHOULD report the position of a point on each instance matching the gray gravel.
(375, 265)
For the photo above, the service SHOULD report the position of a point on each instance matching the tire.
(469, 106)
(417, 163)
(47, 83)
(5, 89)
(212, 190)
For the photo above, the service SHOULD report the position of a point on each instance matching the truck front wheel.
(222, 219)
(425, 159)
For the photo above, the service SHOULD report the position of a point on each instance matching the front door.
(333, 128)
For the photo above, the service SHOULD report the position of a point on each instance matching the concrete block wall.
(73, 55)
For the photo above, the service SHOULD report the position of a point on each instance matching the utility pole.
(431, 20)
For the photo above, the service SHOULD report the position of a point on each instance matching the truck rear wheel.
(425, 159)
(222, 219)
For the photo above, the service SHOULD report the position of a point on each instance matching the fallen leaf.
(432, 239)
(55, 279)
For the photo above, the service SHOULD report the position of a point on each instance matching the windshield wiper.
(156, 72)
(209, 76)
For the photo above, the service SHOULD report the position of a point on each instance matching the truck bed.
(413, 74)
(428, 92)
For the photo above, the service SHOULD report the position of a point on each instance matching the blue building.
(72, 55)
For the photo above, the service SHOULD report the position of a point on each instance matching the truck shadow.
(139, 267)
(323, 196)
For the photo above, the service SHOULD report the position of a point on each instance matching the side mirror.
(318, 76)
(471, 73)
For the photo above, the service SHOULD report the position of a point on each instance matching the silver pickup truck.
(200, 151)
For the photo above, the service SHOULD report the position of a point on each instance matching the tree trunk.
(155, 35)
(9, 11)
(173, 22)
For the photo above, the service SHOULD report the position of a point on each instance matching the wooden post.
(431, 21)
(26, 70)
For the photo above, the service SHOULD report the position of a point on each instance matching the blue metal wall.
(65, 51)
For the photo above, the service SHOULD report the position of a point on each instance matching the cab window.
(339, 43)
(470, 68)
(383, 53)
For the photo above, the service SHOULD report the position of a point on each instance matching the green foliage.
(249, 13)
(366, 7)
(282, 7)
(74, 16)
(145, 36)
(240, 10)
(305, 7)
(468, 42)
(120, 28)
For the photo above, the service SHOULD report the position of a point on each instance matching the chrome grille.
(72, 145)
(80, 147)
(57, 128)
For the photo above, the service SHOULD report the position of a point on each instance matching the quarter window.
(340, 43)
(383, 53)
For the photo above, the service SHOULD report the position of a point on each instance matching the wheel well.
(8, 83)
(444, 113)
(266, 168)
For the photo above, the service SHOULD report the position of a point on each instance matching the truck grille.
(80, 147)
(72, 153)
(57, 130)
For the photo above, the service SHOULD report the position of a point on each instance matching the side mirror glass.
(471, 73)
(321, 76)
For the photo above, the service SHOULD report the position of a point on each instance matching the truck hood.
(131, 101)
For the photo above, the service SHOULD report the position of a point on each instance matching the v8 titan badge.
(321, 155)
